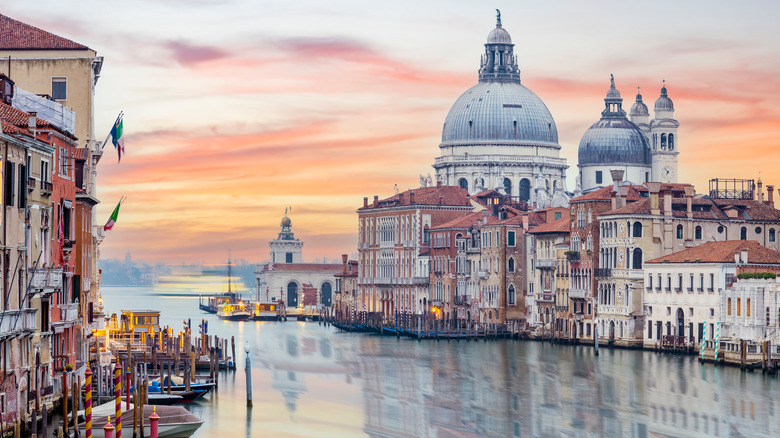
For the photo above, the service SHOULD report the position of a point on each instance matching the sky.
(236, 109)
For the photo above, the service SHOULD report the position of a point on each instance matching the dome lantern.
(499, 62)
(639, 109)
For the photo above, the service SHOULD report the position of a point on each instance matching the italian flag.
(117, 139)
(112, 220)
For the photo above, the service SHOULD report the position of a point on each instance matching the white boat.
(233, 312)
(175, 421)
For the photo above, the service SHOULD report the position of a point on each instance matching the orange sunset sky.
(236, 109)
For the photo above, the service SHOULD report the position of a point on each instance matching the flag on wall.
(112, 220)
(117, 139)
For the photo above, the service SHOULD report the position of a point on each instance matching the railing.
(420, 280)
(498, 158)
(69, 312)
(47, 279)
(602, 272)
(30, 183)
(46, 187)
(437, 303)
(16, 321)
(486, 304)
(462, 300)
(483, 274)
(614, 310)
(578, 293)
(545, 264)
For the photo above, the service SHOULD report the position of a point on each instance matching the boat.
(160, 399)
(264, 311)
(210, 304)
(175, 421)
(177, 385)
(233, 312)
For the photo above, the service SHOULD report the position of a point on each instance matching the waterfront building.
(670, 219)
(552, 271)
(394, 240)
(346, 299)
(284, 276)
(645, 150)
(499, 135)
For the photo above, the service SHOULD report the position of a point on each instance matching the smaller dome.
(664, 103)
(499, 35)
(639, 108)
(286, 222)
(613, 93)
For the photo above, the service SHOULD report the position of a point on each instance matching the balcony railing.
(47, 279)
(30, 183)
(462, 300)
(46, 187)
(602, 272)
(578, 293)
(437, 303)
(13, 322)
(69, 312)
(545, 264)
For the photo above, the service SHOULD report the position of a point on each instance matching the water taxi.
(264, 311)
(233, 312)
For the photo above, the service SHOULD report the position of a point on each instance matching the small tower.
(640, 115)
(663, 140)
(286, 248)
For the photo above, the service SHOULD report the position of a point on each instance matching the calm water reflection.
(311, 380)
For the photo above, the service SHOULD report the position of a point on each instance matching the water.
(313, 381)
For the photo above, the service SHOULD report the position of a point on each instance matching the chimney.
(32, 120)
(525, 222)
(689, 199)
(376, 201)
(484, 216)
(744, 255)
(668, 203)
(365, 202)
(401, 198)
(617, 178)
(438, 183)
(654, 188)
(411, 197)
(736, 258)
(344, 261)
(621, 200)
(441, 199)
(770, 195)
(760, 193)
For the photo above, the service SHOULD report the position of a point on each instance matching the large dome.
(614, 141)
(499, 113)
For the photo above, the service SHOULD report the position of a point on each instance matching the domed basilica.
(500, 135)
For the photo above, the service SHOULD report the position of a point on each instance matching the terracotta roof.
(437, 195)
(334, 267)
(605, 194)
(722, 252)
(561, 225)
(16, 121)
(15, 35)
(465, 221)
(706, 208)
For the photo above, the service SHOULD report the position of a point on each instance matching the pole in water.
(118, 395)
(88, 403)
(248, 370)
(596, 336)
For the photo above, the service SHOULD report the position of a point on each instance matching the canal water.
(314, 381)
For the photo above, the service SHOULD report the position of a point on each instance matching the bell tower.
(286, 248)
(664, 140)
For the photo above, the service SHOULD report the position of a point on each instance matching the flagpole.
(121, 113)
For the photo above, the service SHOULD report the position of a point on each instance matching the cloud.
(188, 54)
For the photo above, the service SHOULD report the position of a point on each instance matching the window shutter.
(22, 186)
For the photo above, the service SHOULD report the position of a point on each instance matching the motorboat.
(174, 422)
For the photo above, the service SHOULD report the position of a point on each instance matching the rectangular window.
(649, 329)
(510, 238)
(9, 183)
(557, 215)
(22, 186)
(288, 257)
(59, 88)
(598, 177)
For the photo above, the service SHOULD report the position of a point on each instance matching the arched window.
(671, 142)
(771, 234)
(525, 190)
(637, 229)
(747, 307)
(327, 293)
(743, 233)
(697, 233)
(637, 262)
(679, 231)
(663, 141)
(511, 297)
(508, 186)
(463, 183)
(511, 265)
(479, 183)
(739, 306)
(426, 235)
(729, 307)
(292, 294)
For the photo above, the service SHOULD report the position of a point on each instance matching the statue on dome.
(498, 18)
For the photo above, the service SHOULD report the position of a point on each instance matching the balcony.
(46, 188)
(488, 304)
(14, 322)
(437, 303)
(420, 281)
(30, 184)
(483, 274)
(572, 256)
(578, 294)
(545, 264)
(47, 280)
(613, 310)
(462, 300)
(69, 313)
(602, 272)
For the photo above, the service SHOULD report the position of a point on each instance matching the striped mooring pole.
(717, 340)
(88, 402)
(118, 395)
(703, 339)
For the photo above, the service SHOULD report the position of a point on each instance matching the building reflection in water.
(513, 388)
